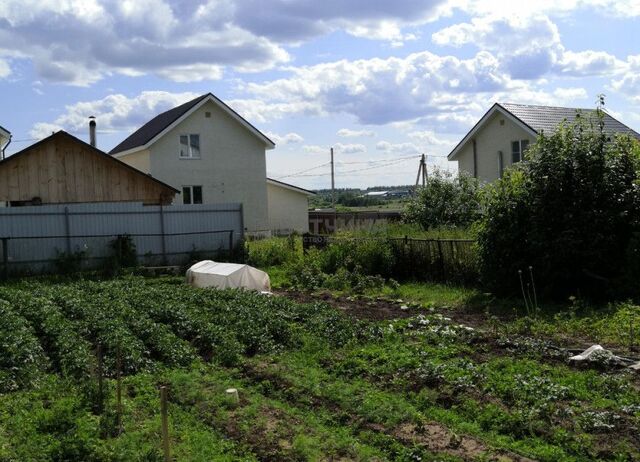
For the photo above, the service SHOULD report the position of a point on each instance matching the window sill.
(189, 158)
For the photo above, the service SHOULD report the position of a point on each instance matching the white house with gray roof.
(211, 154)
(500, 138)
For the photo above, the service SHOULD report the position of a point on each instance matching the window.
(192, 194)
(190, 146)
(517, 150)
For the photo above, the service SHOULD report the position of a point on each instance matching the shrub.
(273, 251)
(356, 264)
(445, 201)
(571, 211)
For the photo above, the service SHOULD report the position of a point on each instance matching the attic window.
(207, 115)
(501, 121)
(190, 146)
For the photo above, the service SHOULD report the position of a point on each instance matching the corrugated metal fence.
(34, 237)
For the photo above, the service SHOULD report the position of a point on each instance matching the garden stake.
(100, 407)
(524, 296)
(533, 284)
(118, 391)
(165, 424)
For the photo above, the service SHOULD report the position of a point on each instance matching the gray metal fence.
(33, 238)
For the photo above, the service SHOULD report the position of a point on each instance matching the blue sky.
(379, 81)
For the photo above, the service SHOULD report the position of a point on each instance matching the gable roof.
(290, 186)
(63, 134)
(538, 119)
(162, 123)
(548, 118)
(4, 132)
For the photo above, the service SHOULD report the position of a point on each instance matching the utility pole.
(333, 184)
(422, 171)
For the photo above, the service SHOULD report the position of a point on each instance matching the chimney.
(92, 131)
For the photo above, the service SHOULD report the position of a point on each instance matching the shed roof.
(63, 134)
(282, 184)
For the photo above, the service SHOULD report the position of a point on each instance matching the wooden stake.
(119, 391)
(100, 407)
(165, 424)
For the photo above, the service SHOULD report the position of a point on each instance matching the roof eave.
(480, 124)
(290, 187)
(218, 102)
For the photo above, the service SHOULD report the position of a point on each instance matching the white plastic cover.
(209, 273)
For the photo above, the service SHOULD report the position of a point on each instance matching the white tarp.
(209, 273)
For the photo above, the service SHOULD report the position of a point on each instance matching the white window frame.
(190, 187)
(520, 150)
(189, 151)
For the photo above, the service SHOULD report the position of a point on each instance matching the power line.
(304, 171)
(344, 172)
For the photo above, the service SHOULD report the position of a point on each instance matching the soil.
(432, 436)
(370, 309)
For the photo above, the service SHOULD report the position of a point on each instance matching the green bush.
(356, 264)
(571, 212)
(445, 201)
(274, 251)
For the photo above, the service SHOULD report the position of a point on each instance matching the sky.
(379, 81)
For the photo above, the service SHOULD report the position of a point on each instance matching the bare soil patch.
(370, 309)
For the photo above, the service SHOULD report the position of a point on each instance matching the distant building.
(377, 194)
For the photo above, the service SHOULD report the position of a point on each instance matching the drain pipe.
(6, 146)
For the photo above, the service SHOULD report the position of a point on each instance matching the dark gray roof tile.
(548, 118)
(156, 125)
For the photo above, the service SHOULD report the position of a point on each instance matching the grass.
(313, 384)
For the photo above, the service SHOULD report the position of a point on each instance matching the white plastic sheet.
(208, 273)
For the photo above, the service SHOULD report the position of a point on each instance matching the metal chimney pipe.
(92, 131)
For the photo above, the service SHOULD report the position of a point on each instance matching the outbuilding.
(288, 207)
(63, 169)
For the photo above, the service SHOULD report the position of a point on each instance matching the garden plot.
(315, 382)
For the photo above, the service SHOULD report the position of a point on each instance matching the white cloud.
(567, 95)
(349, 148)
(528, 46)
(348, 133)
(587, 63)
(113, 113)
(628, 83)
(5, 69)
(402, 148)
(80, 42)
(379, 91)
(315, 149)
(289, 138)
(427, 137)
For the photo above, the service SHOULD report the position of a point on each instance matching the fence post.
(5, 258)
(163, 242)
(67, 229)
